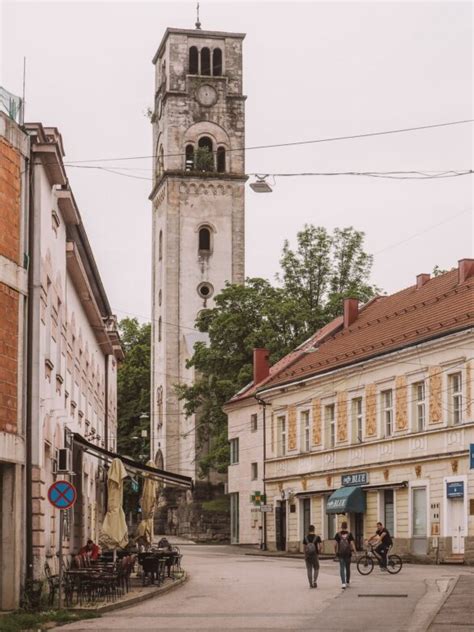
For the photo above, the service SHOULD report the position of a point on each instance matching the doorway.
(306, 515)
(359, 531)
(280, 525)
(456, 524)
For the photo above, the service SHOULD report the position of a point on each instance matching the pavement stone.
(457, 612)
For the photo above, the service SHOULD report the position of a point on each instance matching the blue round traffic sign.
(62, 494)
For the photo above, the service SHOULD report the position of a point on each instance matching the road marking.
(381, 595)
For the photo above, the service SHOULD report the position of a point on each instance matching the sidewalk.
(457, 612)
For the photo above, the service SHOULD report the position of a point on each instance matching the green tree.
(133, 388)
(315, 277)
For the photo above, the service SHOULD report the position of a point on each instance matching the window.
(331, 527)
(204, 239)
(419, 406)
(455, 397)
(388, 512)
(217, 62)
(205, 61)
(189, 162)
(205, 290)
(387, 412)
(221, 159)
(305, 445)
(205, 156)
(160, 246)
(357, 419)
(234, 451)
(254, 471)
(234, 518)
(253, 422)
(193, 61)
(330, 425)
(281, 425)
(159, 329)
(419, 511)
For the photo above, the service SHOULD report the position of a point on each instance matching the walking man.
(312, 549)
(344, 547)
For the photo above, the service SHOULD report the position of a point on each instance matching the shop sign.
(455, 490)
(361, 478)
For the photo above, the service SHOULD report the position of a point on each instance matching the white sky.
(311, 70)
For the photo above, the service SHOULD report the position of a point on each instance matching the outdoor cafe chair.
(53, 582)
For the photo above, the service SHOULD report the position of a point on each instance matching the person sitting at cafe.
(90, 550)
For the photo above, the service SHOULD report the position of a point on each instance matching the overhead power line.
(331, 139)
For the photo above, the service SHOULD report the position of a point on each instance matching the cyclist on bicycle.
(384, 541)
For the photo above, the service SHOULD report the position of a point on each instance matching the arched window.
(193, 61)
(205, 155)
(160, 246)
(161, 160)
(189, 165)
(217, 62)
(204, 240)
(221, 159)
(159, 329)
(205, 61)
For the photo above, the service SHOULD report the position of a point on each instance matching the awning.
(135, 466)
(373, 488)
(345, 500)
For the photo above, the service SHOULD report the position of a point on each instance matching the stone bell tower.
(198, 215)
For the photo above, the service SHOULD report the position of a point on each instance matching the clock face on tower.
(206, 95)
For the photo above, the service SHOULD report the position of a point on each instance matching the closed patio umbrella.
(114, 533)
(147, 501)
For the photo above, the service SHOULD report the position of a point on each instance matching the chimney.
(351, 311)
(261, 365)
(466, 269)
(421, 279)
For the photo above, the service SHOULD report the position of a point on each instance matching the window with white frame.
(305, 444)
(357, 419)
(455, 398)
(330, 425)
(234, 451)
(281, 426)
(419, 514)
(387, 412)
(253, 422)
(254, 471)
(419, 406)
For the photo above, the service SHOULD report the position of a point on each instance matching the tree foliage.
(315, 277)
(133, 388)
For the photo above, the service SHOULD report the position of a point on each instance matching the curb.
(138, 599)
(437, 611)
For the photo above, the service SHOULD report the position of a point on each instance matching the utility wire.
(330, 139)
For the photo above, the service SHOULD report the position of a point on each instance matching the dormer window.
(189, 163)
(221, 159)
(193, 61)
(205, 61)
(217, 62)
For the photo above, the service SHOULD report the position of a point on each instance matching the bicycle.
(366, 562)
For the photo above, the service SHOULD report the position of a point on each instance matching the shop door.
(456, 524)
(359, 531)
(306, 515)
(280, 525)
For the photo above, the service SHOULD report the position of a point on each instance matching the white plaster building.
(389, 399)
(198, 215)
(73, 356)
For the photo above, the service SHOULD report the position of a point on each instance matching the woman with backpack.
(344, 547)
(312, 549)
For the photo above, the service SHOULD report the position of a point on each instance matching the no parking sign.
(62, 495)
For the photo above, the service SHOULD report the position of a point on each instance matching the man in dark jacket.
(312, 549)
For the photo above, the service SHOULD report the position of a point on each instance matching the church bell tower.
(198, 215)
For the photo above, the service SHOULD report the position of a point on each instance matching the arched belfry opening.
(217, 62)
(193, 61)
(205, 61)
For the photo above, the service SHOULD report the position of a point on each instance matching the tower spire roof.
(198, 23)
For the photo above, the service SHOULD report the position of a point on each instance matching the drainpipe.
(29, 377)
(106, 402)
(264, 404)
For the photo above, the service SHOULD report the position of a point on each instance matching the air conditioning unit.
(63, 460)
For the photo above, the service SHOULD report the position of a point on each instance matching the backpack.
(311, 547)
(344, 545)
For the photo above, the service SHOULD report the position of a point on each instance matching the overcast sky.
(311, 70)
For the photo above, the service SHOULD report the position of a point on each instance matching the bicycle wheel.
(365, 565)
(394, 564)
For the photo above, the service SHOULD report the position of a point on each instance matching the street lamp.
(261, 185)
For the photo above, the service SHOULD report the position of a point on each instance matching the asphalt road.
(228, 590)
